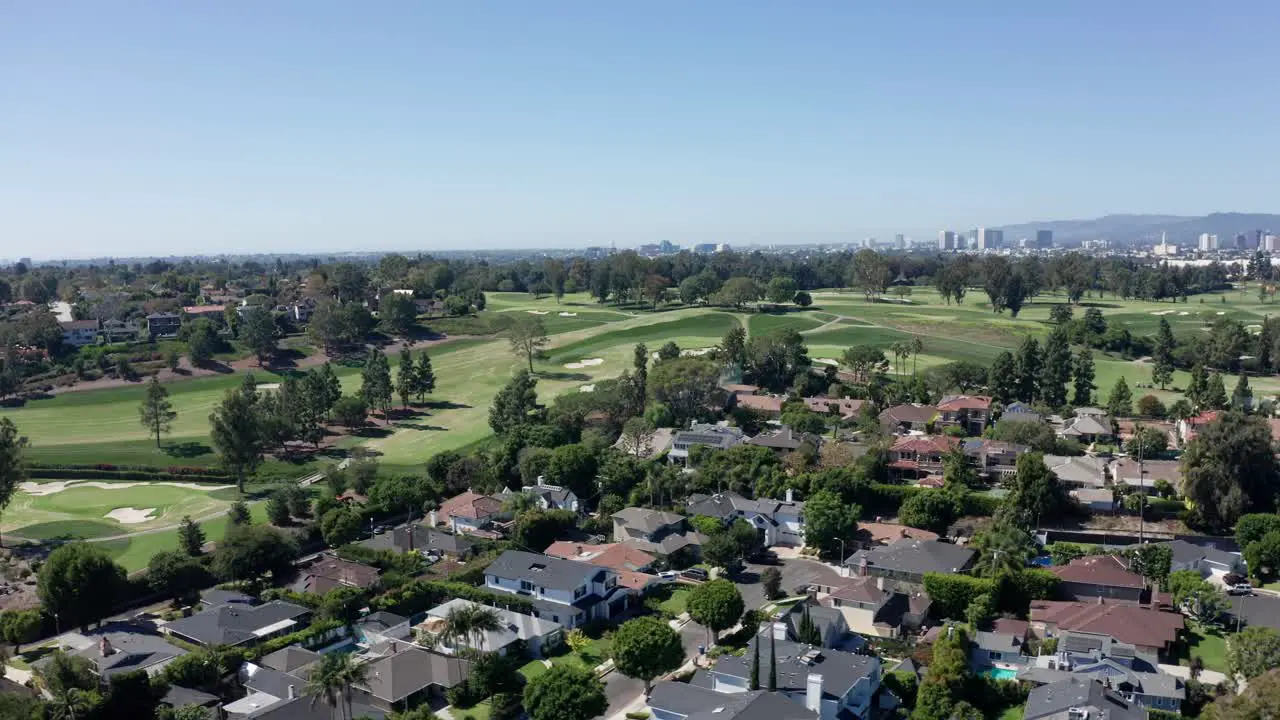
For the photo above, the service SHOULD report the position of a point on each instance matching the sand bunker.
(584, 363)
(1184, 312)
(587, 388)
(568, 314)
(1222, 312)
(269, 386)
(131, 516)
(827, 361)
(696, 352)
(1163, 312)
(536, 312)
(49, 488)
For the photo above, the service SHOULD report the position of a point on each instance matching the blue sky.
(238, 125)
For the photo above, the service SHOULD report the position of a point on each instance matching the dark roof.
(1184, 552)
(304, 708)
(1127, 622)
(700, 703)
(728, 505)
(128, 647)
(997, 642)
(647, 520)
(840, 671)
(234, 624)
(214, 597)
(784, 438)
(909, 413)
(915, 557)
(542, 570)
(406, 669)
(178, 696)
(330, 573)
(381, 621)
(823, 618)
(424, 538)
(1100, 570)
(290, 659)
(1054, 700)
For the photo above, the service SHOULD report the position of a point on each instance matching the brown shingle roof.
(760, 403)
(471, 505)
(965, 402)
(1127, 622)
(885, 533)
(1105, 570)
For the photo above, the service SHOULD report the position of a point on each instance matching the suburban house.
(766, 405)
(1096, 500)
(78, 333)
(1080, 698)
(470, 512)
(779, 522)
(906, 418)
(671, 700)
(300, 312)
(712, 437)
(869, 608)
(328, 573)
(1082, 471)
(163, 325)
(121, 647)
(1147, 628)
(563, 591)
(784, 441)
(846, 408)
(1204, 559)
(908, 560)
(535, 633)
(1020, 412)
(238, 624)
(993, 458)
(992, 649)
(1088, 426)
(831, 683)
(1125, 471)
(971, 413)
(422, 539)
(876, 534)
(117, 331)
(1188, 427)
(1100, 576)
(646, 447)
(654, 531)
(828, 621)
(632, 566)
(553, 497)
(1121, 667)
(306, 708)
(212, 312)
(269, 687)
(915, 456)
(401, 676)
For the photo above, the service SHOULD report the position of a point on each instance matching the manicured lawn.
(677, 603)
(1210, 645)
(135, 552)
(81, 511)
(1013, 713)
(532, 669)
(479, 711)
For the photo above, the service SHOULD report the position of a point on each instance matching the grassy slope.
(81, 511)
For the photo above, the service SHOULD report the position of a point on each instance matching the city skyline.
(157, 128)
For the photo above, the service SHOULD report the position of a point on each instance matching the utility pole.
(1142, 489)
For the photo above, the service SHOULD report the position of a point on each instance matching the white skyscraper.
(989, 239)
(1208, 242)
(946, 240)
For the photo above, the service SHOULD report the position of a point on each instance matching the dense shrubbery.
(108, 471)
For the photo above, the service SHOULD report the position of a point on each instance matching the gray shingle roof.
(1184, 552)
(1056, 699)
(726, 506)
(699, 703)
(234, 624)
(840, 671)
(915, 557)
(407, 669)
(290, 659)
(128, 648)
(646, 520)
(543, 570)
(305, 708)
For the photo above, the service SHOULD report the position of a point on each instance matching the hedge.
(884, 499)
(421, 595)
(308, 637)
(952, 594)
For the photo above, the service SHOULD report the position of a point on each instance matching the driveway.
(796, 573)
(626, 693)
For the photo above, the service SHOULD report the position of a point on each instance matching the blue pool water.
(1001, 674)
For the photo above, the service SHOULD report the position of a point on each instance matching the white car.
(1241, 589)
(668, 576)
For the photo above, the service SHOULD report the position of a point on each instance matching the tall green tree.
(715, 605)
(645, 648)
(1084, 375)
(828, 519)
(516, 404)
(1120, 401)
(1215, 393)
(1002, 378)
(259, 332)
(236, 431)
(565, 692)
(1229, 469)
(1055, 371)
(249, 551)
(333, 680)
(1242, 395)
(1162, 355)
(528, 336)
(405, 377)
(1036, 494)
(79, 583)
(375, 381)
(424, 378)
(1198, 386)
(156, 412)
(13, 465)
(1026, 370)
(190, 537)
(397, 314)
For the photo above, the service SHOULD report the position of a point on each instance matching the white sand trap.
(827, 361)
(587, 388)
(269, 386)
(568, 314)
(1162, 312)
(57, 486)
(536, 312)
(584, 363)
(696, 352)
(131, 516)
(1184, 312)
(1222, 312)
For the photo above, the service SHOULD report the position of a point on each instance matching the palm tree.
(332, 681)
(470, 622)
(72, 703)
(1001, 549)
(917, 346)
(484, 619)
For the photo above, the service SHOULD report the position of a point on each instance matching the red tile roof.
(1127, 622)
(885, 533)
(615, 556)
(200, 309)
(1105, 570)
(471, 505)
(924, 444)
(965, 402)
(762, 403)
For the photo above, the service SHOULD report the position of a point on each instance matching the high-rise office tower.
(1044, 238)
(946, 240)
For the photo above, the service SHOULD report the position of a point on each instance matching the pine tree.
(424, 378)
(1266, 339)
(236, 431)
(1120, 401)
(1084, 375)
(754, 682)
(332, 389)
(157, 413)
(1198, 386)
(405, 379)
(1215, 393)
(1242, 396)
(1001, 379)
(375, 381)
(1162, 356)
(190, 536)
(1056, 371)
(1026, 370)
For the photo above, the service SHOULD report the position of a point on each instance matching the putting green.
(83, 511)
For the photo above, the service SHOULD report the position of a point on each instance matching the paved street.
(623, 691)
(795, 574)
(1258, 609)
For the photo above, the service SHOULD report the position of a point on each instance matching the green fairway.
(82, 510)
(133, 553)
(800, 322)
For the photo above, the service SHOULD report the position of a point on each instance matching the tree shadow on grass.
(420, 426)
(567, 376)
(187, 449)
(372, 432)
(444, 405)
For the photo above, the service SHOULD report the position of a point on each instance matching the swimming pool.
(997, 673)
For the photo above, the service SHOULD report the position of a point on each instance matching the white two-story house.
(562, 591)
(779, 522)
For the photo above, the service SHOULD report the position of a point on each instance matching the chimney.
(541, 479)
(879, 583)
(862, 566)
(790, 495)
(779, 631)
(813, 693)
(104, 647)
(433, 518)
(293, 691)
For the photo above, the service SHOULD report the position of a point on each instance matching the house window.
(526, 586)
(579, 593)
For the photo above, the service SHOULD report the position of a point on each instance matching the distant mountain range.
(1129, 229)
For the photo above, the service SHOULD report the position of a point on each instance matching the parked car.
(667, 576)
(1241, 589)
(765, 557)
(695, 574)
(1234, 579)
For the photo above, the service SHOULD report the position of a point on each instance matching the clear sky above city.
(153, 127)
